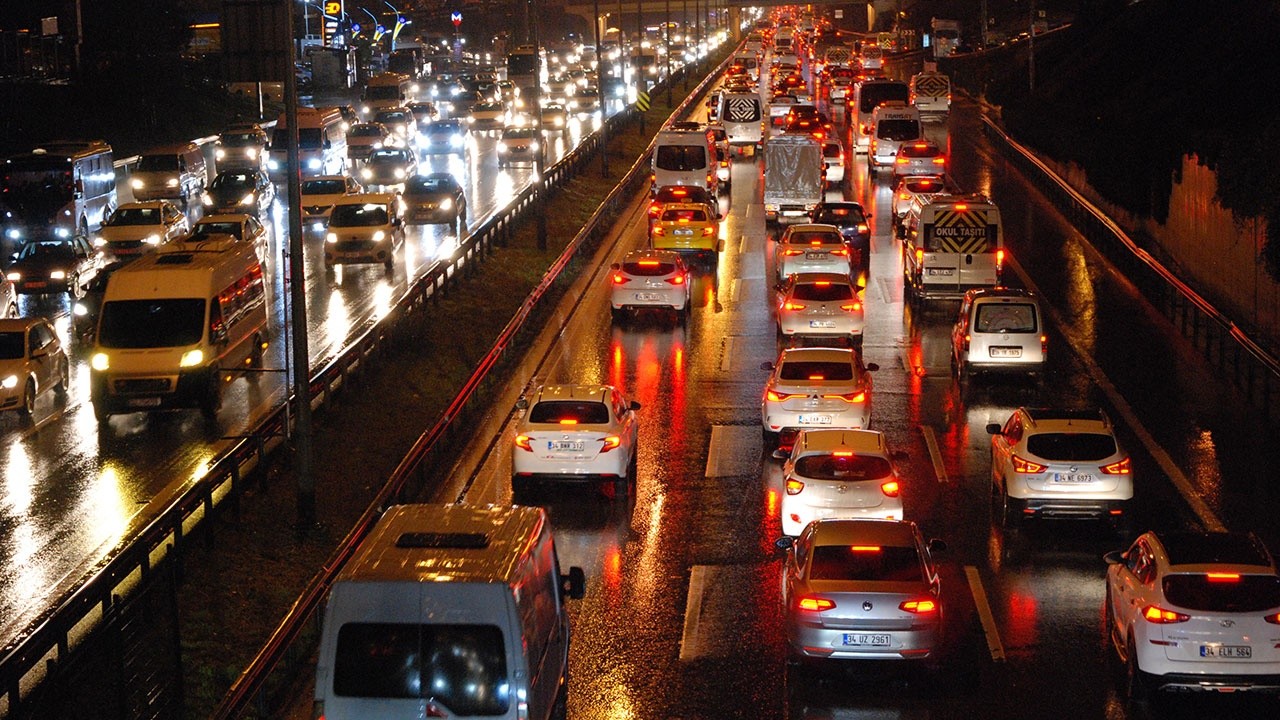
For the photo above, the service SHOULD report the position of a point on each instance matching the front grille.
(143, 386)
(352, 246)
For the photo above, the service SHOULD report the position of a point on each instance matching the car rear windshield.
(363, 215)
(919, 151)
(217, 228)
(1245, 593)
(681, 194)
(685, 214)
(1005, 318)
(808, 238)
(822, 292)
(865, 562)
(839, 215)
(648, 268)
(463, 667)
(681, 158)
(872, 94)
(143, 324)
(816, 370)
(841, 467)
(158, 163)
(924, 186)
(1071, 447)
(831, 150)
(898, 130)
(323, 187)
(11, 345)
(580, 412)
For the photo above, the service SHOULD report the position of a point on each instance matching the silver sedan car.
(811, 248)
(820, 305)
(839, 474)
(861, 590)
(815, 388)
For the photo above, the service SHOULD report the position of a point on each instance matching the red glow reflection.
(616, 374)
(1023, 620)
(772, 504)
(612, 568)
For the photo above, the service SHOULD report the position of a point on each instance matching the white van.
(951, 244)
(685, 155)
(931, 93)
(386, 90)
(893, 123)
(743, 118)
(448, 611)
(750, 62)
(322, 143)
(867, 96)
(174, 172)
(174, 325)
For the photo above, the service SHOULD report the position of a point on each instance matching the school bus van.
(451, 611)
(951, 244)
(174, 326)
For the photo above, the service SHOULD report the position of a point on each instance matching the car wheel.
(73, 287)
(519, 486)
(560, 710)
(770, 439)
(1009, 519)
(28, 405)
(1135, 685)
(618, 315)
(212, 398)
(64, 379)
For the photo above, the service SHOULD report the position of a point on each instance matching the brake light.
(568, 421)
(919, 255)
(863, 227)
(823, 283)
(920, 146)
(920, 607)
(967, 338)
(792, 252)
(775, 396)
(708, 231)
(1121, 467)
(610, 442)
(1159, 616)
(1023, 465)
(1221, 577)
(654, 209)
(1274, 619)
(794, 487)
(852, 307)
(814, 604)
(854, 397)
(619, 279)
(679, 193)
(1000, 257)
(841, 252)
(865, 548)
(648, 263)
(842, 453)
(793, 306)
(961, 207)
(904, 196)
(940, 161)
(676, 279)
(657, 230)
(902, 161)
(1044, 344)
(522, 442)
(890, 488)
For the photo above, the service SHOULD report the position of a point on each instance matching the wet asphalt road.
(682, 617)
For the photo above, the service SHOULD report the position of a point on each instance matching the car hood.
(127, 233)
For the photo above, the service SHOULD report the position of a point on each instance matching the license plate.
(815, 256)
(815, 419)
(822, 323)
(646, 296)
(944, 272)
(1226, 651)
(36, 283)
(867, 640)
(565, 446)
(144, 402)
(1070, 478)
(1006, 352)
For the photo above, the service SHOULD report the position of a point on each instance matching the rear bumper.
(1190, 682)
(1069, 508)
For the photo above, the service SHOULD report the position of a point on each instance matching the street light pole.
(604, 116)
(539, 157)
(666, 40)
(637, 58)
(684, 33)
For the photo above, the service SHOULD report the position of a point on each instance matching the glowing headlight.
(364, 109)
(502, 146)
(559, 122)
(247, 199)
(317, 226)
(99, 241)
(62, 232)
(152, 239)
(533, 146)
(206, 199)
(191, 358)
(251, 153)
(379, 236)
(14, 276)
(377, 145)
(136, 183)
(399, 173)
(171, 182)
(366, 173)
(456, 140)
(314, 164)
(331, 237)
(79, 310)
(220, 153)
(100, 362)
(13, 233)
(10, 382)
(446, 204)
(273, 165)
(58, 275)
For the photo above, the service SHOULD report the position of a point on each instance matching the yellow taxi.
(685, 227)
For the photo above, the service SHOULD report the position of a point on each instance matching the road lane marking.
(885, 292)
(693, 614)
(733, 451)
(1179, 479)
(931, 441)
(742, 244)
(726, 356)
(984, 613)
(734, 289)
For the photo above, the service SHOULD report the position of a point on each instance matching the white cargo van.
(386, 90)
(743, 120)
(448, 611)
(867, 96)
(931, 93)
(175, 324)
(174, 172)
(750, 62)
(322, 143)
(951, 244)
(685, 154)
(892, 124)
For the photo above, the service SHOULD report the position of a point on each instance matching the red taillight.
(654, 209)
(939, 161)
(920, 607)
(863, 227)
(961, 207)
(920, 146)
(676, 279)
(522, 442)
(1044, 344)
(1121, 467)
(619, 279)
(814, 604)
(610, 442)
(648, 263)
(775, 396)
(1221, 577)
(708, 231)
(840, 252)
(568, 421)
(657, 230)
(793, 306)
(1273, 619)
(1023, 465)
(794, 487)
(1159, 616)
(852, 307)
(792, 252)
(890, 488)
(902, 161)
(1000, 257)
(854, 397)
(919, 255)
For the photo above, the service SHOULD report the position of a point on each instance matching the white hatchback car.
(909, 187)
(320, 193)
(1195, 611)
(31, 361)
(839, 474)
(577, 433)
(820, 305)
(364, 228)
(1059, 464)
(139, 227)
(814, 388)
(649, 279)
(811, 248)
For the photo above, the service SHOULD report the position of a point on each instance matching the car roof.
(145, 204)
(361, 198)
(223, 218)
(19, 323)
(816, 354)
(1001, 293)
(1209, 548)
(822, 277)
(892, 533)
(865, 442)
(598, 393)
(652, 254)
(1041, 414)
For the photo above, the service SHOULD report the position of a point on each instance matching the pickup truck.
(793, 177)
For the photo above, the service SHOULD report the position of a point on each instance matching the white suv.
(577, 433)
(1196, 611)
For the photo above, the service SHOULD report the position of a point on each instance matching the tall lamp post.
(638, 60)
(539, 157)
(666, 40)
(684, 33)
(604, 116)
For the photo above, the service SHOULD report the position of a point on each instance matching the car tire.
(28, 406)
(211, 399)
(770, 439)
(618, 315)
(519, 486)
(64, 379)
(1136, 687)
(560, 708)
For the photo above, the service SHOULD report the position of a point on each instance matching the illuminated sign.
(456, 18)
(333, 8)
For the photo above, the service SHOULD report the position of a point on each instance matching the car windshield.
(519, 133)
(1227, 594)
(359, 215)
(447, 126)
(53, 250)
(389, 117)
(366, 131)
(1005, 318)
(487, 107)
(898, 129)
(872, 94)
(323, 187)
(158, 163)
(143, 324)
(205, 229)
(135, 216)
(816, 370)
(681, 157)
(389, 155)
(1071, 447)
(648, 268)
(232, 181)
(865, 562)
(247, 139)
(570, 412)
(11, 345)
(822, 292)
(840, 215)
(428, 184)
(919, 150)
(843, 467)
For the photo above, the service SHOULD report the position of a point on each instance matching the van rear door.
(960, 249)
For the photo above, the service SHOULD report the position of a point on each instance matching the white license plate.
(646, 296)
(815, 419)
(944, 272)
(565, 446)
(683, 232)
(1072, 478)
(1226, 651)
(144, 402)
(815, 256)
(867, 640)
(1006, 352)
(822, 323)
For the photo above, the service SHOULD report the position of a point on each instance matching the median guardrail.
(50, 640)
(413, 469)
(1225, 345)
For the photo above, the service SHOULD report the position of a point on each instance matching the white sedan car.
(575, 433)
(826, 306)
(138, 227)
(1194, 611)
(654, 279)
(319, 195)
(811, 248)
(839, 474)
(815, 388)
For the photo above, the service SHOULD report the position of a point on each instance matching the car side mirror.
(574, 583)
(616, 266)
(786, 542)
(993, 429)
(766, 366)
(40, 351)
(1115, 557)
(634, 405)
(937, 545)
(522, 404)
